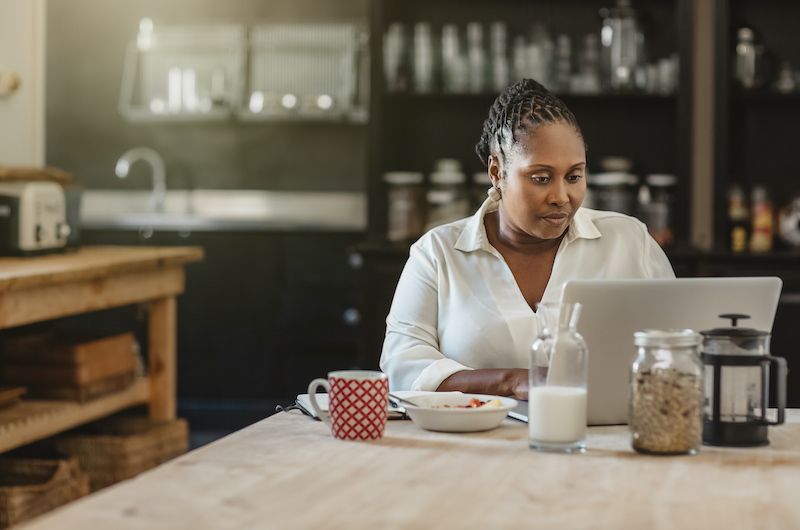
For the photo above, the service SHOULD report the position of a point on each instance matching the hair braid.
(523, 106)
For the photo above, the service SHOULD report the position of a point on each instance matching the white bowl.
(426, 412)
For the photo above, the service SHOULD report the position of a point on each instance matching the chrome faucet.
(155, 203)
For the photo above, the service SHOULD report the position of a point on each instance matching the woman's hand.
(501, 382)
(518, 383)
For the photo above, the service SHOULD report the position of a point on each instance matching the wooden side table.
(91, 279)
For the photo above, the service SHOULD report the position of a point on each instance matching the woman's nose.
(558, 194)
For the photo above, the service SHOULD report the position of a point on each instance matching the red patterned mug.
(357, 401)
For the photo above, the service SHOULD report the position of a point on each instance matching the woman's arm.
(502, 382)
(411, 356)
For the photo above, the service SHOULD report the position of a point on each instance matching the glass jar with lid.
(447, 196)
(614, 191)
(406, 205)
(656, 210)
(666, 393)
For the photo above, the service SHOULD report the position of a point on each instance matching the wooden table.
(90, 279)
(287, 472)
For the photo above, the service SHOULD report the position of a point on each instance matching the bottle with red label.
(738, 220)
(762, 216)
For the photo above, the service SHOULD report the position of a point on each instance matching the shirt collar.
(473, 236)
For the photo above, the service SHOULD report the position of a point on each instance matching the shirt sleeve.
(411, 356)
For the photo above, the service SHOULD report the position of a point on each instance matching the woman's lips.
(557, 219)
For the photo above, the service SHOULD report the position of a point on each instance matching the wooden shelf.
(32, 420)
(605, 97)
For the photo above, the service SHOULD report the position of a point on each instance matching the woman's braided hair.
(523, 106)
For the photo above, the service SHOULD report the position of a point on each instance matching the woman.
(463, 314)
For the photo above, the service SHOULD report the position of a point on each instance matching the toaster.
(32, 218)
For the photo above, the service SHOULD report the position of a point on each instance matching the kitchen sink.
(225, 210)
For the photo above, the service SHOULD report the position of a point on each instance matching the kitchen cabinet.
(93, 279)
(410, 131)
(264, 313)
(755, 130)
(754, 141)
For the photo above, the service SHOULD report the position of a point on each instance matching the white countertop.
(212, 210)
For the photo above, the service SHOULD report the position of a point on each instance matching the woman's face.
(544, 184)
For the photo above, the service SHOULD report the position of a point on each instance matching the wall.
(22, 52)
(86, 134)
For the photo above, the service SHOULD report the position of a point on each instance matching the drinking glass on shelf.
(520, 58)
(562, 70)
(394, 45)
(454, 64)
(423, 57)
(476, 57)
(541, 51)
(500, 69)
(587, 80)
(557, 382)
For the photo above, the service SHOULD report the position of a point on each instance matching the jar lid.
(448, 165)
(447, 177)
(615, 178)
(661, 180)
(666, 337)
(616, 164)
(733, 331)
(403, 177)
(482, 178)
(745, 34)
(440, 196)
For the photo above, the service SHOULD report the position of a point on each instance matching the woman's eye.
(574, 178)
(541, 178)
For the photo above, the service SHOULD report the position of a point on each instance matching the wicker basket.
(31, 487)
(121, 447)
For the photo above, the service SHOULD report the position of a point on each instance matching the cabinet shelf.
(770, 98)
(490, 96)
(32, 420)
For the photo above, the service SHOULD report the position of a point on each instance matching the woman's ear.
(495, 170)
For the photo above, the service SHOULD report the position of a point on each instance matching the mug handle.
(312, 397)
(780, 364)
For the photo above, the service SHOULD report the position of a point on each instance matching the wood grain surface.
(88, 263)
(288, 472)
(90, 279)
(34, 419)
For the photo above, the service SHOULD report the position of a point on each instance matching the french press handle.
(780, 364)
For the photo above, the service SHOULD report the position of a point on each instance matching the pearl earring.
(494, 194)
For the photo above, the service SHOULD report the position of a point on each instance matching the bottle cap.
(745, 34)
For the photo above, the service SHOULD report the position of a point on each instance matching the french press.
(737, 368)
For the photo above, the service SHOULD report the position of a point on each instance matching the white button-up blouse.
(458, 307)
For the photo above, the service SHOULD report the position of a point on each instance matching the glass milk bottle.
(557, 384)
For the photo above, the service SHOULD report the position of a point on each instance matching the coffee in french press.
(737, 369)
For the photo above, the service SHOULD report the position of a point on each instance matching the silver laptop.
(613, 310)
